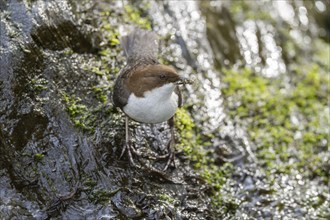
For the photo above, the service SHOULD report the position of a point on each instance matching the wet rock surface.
(60, 137)
(55, 163)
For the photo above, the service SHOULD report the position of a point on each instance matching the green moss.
(39, 84)
(97, 70)
(106, 64)
(100, 92)
(73, 107)
(195, 147)
(38, 157)
(244, 7)
(268, 111)
(109, 32)
(83, 113)
(189, 141)
(102, 195)
(215, 175)
(68, 51)
(112, 36)
(185, 125)
(90, 183)
(166, 198)
(133, 15)
(79, 113)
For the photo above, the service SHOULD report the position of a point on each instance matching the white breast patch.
(157, 105)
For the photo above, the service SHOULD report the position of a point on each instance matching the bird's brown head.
(153, 76)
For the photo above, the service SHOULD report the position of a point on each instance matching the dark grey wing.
(140, 45)
(120, 93)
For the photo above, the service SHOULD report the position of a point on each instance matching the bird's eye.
(162, 76)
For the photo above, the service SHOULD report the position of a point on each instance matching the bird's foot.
(133, 153)
(170, 155)
(130, 151)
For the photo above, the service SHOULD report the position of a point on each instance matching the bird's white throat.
(157, 105)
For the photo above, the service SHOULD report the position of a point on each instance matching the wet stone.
(251, 140)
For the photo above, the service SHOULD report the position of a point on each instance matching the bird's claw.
(130, 151)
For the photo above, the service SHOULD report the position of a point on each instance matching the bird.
(145, 90)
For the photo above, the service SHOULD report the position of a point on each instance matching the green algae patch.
(79, 113)
(248, 9)
(166, 198)
(38, 157)
(102, 196)
(88, 106)
(134, 15)
(100, 92)
(109, 31)
(289, 125)
(39, 84)
(188, 140)
(185, 126)
(197, 148)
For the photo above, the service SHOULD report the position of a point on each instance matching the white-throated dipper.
(145, 90)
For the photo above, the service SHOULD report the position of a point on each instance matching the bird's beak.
(183, 80)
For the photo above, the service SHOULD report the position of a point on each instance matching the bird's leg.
(126, 138)
(171, 144)
(127, 145)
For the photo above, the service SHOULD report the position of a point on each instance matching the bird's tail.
(140, 44)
